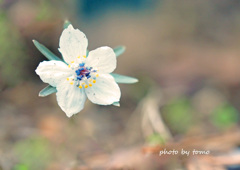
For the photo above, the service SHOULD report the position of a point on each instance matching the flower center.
(84, 76)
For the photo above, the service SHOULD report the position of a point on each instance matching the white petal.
(70, 98)
(103, 58)
(105, 91)
(73, 43)
(53, 72)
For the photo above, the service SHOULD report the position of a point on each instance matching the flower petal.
(53, 72)
(103, 59)
(105, 91)
(73, 43)
(70, 98)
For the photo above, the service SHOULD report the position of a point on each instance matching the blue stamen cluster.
(83, 71)
(80, 77)
(82, 64)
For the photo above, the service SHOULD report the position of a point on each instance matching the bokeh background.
(186, 56)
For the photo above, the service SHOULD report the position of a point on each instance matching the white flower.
(83, 77)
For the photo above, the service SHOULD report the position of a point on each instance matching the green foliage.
(47, 91)
(178, 115)
(46, 52)
(119, 50)
(116, 104)
(66, 24)
(224, 116)
(12, 54)
(124, 79)
(33, 153)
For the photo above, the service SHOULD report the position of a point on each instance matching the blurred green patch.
(224, 116)
(12, 55)
(178, 115)
(21, 167)
(45, 10)
(33, 153)
(156, 139)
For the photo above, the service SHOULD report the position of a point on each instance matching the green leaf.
(119, 50)
(116, 104)
(46, 52)
(66, 24)
(124, 79)
(47, 91)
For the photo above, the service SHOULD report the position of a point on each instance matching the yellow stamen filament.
(69, 65)
(67, 79)
(80, 86)
(90, 85)
(71, 83)
(79, 56)
(72, 61)
(97, 75)
(94, 81)
(84, 56)
(86, 86)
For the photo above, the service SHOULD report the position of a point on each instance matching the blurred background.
(186, 56)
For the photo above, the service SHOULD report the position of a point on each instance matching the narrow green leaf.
(124, 79)
(87, 53)
(46, 52)
(119, 50)
(47, 91)
(66, 24)
(116, 104)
